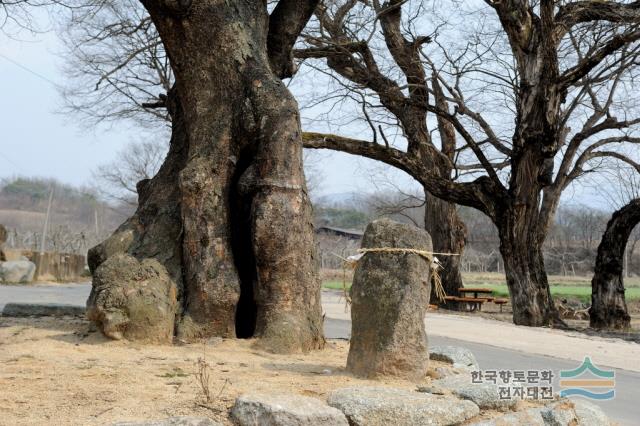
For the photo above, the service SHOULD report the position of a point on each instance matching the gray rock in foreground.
(485, 395)
(284, 410)
(389, 298)
(530, 417)
(173, 421)
(42, 310)
(17, 271)
(380, 406)
(574, 413)
(561, 413)
(458, 356)
(590, 414)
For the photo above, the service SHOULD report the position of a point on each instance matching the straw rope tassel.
(429, 256)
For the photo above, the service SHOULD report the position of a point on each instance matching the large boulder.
(574, 413)
(485, 395)
(381, 406)
(560, 413)
(284, 410)
(133, 300)
(389, 298)
(17, 271)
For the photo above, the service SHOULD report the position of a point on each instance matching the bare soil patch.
(57, 371)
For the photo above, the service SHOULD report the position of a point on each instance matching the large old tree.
(608, 306)
(536, 98)
(227, 218)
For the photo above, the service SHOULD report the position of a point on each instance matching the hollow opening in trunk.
(242, 247)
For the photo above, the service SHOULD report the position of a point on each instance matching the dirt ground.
(56, 371)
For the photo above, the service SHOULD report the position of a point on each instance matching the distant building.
(350, 234)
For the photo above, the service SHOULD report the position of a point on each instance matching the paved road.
(66, 294)
(625, 408)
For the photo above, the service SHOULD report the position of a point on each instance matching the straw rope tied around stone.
(429, 256)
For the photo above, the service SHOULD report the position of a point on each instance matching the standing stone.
(389, 298)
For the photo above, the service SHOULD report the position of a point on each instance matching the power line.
(8, 160)
(29, 70)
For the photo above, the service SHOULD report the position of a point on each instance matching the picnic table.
(478, 292)
(480, 296)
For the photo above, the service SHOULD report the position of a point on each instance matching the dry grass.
(55, 371)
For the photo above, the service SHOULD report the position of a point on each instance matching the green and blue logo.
(584, 380)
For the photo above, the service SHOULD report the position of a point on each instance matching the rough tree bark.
(521, 249)
(243, 255)
(608, 306)
(448, 234)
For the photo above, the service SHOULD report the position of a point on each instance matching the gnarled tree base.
(228, 214)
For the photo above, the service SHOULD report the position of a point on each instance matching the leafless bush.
(203, 376)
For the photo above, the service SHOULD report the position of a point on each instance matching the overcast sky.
(38, 141)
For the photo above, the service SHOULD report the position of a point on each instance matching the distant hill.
(76, 213)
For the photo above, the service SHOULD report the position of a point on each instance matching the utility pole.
(43, 242)
(46, 222)
(95, 217)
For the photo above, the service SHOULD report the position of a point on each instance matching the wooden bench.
(500, 302)
(472, 303)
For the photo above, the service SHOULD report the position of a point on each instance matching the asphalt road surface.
(624, 408)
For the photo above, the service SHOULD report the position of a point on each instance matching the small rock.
(458, 356)
(380, 406)
(284, 410)
(530, 417)
(485, 395)
(17, 271)
(173, 421)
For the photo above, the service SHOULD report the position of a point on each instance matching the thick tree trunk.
(248, 261)
(448, 234)
(521, 249)
(608, 306)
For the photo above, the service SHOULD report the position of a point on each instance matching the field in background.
(561, 286)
